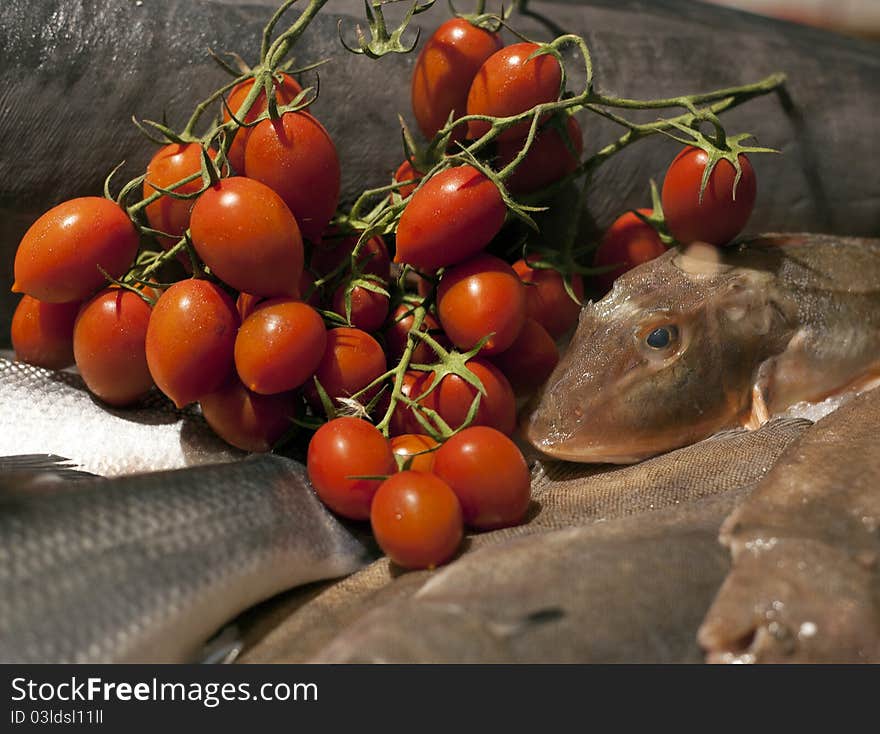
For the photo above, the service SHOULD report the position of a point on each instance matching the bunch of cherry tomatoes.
(294, 318)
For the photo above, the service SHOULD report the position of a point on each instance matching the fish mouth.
(569, 451)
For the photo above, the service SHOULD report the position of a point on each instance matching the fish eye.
(661, 337)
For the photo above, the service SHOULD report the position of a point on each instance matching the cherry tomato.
(249, 421)
(452, 217)
(42, 333)
(626, 243)
(415, 445)
(246, 303)
(295, 157)
(489, 476)
(335, 248)
(109, 344)
(444, 71)
(453, 398)
(245, 233)
(406, 172)
(530, 360)
(402, 419)
(549, 159)
(191, 340)
(286, 91)
(479, 297)
(397, 332)
(340, 451)
(171, 164)
(368, 308)
(58, 257)
(416, 519)
(279, 346)
(352, 359)
(720, 217)
(508, 83)
(547, 301)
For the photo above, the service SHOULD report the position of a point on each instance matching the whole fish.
(806, 552)
(42, 411)
(151, 58)
(146, 568)
(705, 338)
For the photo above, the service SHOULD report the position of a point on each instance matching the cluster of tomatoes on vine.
(294, 317)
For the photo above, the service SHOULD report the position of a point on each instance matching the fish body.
(703, 338)
(146, 568)
(42, 411)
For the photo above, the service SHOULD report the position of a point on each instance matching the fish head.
(665, 359)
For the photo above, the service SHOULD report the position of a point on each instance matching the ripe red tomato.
(352, 359)
(245, 233)
(58, 257)
(402, 419)
(334, 248)
(508, 84)
(416, 519)
(191, 340)
(406, 172)
(626, 243)
(453, 398)
(548, 160)
(489, 476)
(295, 157)
(42, 333)
(246, 420)
(340, 451)
(398, 330)
(285, 92)
(481, 296)
(368, 308)
(279, 346)
(547, 301)
(415, 445)
(444, 71)
(452, 217)
(530, 360)
(720, 217)
(109, 344)
(171, 164)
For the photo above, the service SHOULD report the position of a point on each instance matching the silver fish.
(42, 411)
(146, 568)
(703, 338)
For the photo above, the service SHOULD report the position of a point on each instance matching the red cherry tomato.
(453, 398)
(397, 332)
(286, 91)
(530, 360)
(489, 476)
(171, 164)
(340, 451)
(352, 359)
(368, 308)
(335, 248)
(246, 234)
(402, 419)
(508, 83)
(246, 420)
(549, 159)
(246, 303)
(416, 519)
(547, 301)
(191, 340)
(109, 344)
(295, 157)
(452, 217)
(479, 297)
(42, 333)
(720, 217)
(443, 73)
(415, 445)
(279, 346)
(626, 243)
(58, 257)
(405, 172)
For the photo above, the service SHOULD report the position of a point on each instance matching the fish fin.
(30, 472)
(759, 413)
